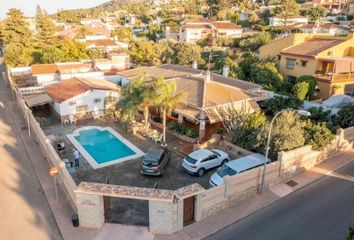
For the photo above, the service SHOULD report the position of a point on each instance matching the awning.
(37, 100)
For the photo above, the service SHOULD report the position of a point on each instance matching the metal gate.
(188, 210)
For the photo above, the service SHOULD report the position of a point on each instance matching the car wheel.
(201, 172)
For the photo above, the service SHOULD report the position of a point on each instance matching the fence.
(53, 158)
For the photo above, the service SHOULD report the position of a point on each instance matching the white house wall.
(87, 98)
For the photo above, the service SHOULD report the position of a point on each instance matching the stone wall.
(90, 209)
(163, 217)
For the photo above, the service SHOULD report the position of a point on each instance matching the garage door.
(188, 210)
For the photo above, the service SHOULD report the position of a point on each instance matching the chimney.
(195, 64)
(207, 76)
(225, 71)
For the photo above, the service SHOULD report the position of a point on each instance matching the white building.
(78, 98)
(202, 28)
(291, 20)
(323, 27)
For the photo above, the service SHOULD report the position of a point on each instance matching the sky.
(51, 6)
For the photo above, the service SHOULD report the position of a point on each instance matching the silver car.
(202, 160)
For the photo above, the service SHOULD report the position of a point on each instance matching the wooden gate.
(107, 208)
(188, 210)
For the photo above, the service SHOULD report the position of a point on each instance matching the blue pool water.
(103, 146)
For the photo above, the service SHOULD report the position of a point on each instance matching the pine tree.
(15, 29)
(45, 29)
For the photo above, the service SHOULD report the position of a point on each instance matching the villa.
(206, 93)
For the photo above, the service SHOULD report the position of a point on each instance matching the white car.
(201, 160)
(235, 167)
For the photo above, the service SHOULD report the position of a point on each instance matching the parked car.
(202, 160)
(155, 161)
(235, 167)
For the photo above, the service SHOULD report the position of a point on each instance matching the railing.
(31, 90)
(336, 77)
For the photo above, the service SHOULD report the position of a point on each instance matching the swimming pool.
(103, 146)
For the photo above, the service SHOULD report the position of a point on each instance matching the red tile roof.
(226, 25)
(102, 42)
(73, 87)
(44, 69)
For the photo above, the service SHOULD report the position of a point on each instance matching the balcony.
(335, 78)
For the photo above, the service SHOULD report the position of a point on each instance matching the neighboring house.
(335, 5)
(106, 45)
(49, 73)
(279, 21)
(323, 27)
(73, 31)
(115, 63)
(205, 91)
(202, 28)
(79, 98)
(330, 59)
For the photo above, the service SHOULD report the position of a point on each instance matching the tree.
(95, 53)
(234, 70)
(143, 52)
(46, 30)
(255, 42)
(312, 85)
(51, 54)
(73, 50)
(317, 135)
(123, 34)
(300, 90)
(15, 29)
(315, 13)
(288, 8)
(266, 74)
(180, 53)
(249, 59)
(168, 100)
(345, 116)
(130, 100)
(252, 130)
(288, 132)
(278, 103)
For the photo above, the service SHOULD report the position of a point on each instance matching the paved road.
(24, 210)
(323, 210)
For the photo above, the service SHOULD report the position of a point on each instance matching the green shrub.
(172, 125)
(319, 115)
(279, 103)
(190, 132)
(312, 85)
(181, 128)
(345, 116)
(300, 90)
(317, 135)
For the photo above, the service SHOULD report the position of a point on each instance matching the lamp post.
(301, 112)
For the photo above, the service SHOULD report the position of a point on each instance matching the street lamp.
(301, 112)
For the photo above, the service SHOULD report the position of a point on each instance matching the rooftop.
(38, 69)
(72, 87)
(313, 46)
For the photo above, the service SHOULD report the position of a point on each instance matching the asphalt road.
(24, 209)
(322, 210)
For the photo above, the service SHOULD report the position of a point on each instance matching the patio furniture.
(72, 119)
(153, 135)
(158, 139)
(97, 114)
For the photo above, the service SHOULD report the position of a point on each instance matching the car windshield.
(216, 153)
(147, 162)
(191, 160)
(226, 171)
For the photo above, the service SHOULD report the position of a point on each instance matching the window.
(72, 103)
(82, 108)
(279, 57)
(290, 63)
(97, 100)
(303, 63)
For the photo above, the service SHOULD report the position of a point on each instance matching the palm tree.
(139, 93)
(168, 99)
(130, 100)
